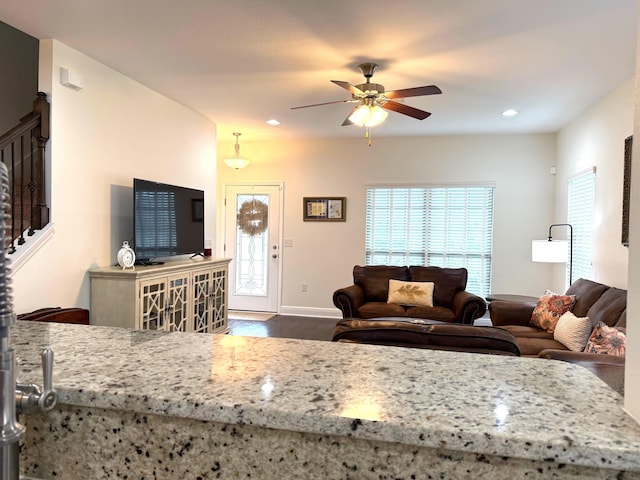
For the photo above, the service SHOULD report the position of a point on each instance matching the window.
(439, 226)
(581, 196)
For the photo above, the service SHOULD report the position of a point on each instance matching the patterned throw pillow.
(549, 309)
(411, 293)
(572, 332)
(606, 339)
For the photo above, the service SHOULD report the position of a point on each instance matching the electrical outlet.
(305, 287)
(288, 242)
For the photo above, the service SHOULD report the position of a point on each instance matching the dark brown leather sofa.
(367, 297)
(595, 300)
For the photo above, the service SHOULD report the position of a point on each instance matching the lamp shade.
(549, 251)
(236, 163)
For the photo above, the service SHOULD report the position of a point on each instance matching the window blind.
(439, 226)
(156, 228)
(581, 196)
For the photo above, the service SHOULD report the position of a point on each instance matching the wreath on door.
(252, 217)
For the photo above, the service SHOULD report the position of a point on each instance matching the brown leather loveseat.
(367, 297)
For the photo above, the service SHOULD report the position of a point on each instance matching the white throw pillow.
(411, 293)
(573, 332)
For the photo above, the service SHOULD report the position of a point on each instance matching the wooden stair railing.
(22, 150)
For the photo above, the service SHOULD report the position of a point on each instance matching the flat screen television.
(168, 220)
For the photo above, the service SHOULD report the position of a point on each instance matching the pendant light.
(237, 162)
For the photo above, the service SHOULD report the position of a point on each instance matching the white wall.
(323, 254)
(596, 138)
(632, 375)
(103, 136)
(19, 54)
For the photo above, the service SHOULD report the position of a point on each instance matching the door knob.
(274, 255)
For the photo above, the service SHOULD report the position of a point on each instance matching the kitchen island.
(140, 404)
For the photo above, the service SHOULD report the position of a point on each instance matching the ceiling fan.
(372, 100)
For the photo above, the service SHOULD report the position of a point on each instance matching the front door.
(252, 241)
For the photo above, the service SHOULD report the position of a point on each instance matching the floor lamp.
(554, 251)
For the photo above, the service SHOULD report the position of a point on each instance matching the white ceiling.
(242, 62)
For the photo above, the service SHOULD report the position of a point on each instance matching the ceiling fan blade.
(348, 86)
(346, 120)
(406, 110)
(319, 104)
(413, 92)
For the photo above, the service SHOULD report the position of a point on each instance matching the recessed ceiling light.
(510, 113)
(273, 122)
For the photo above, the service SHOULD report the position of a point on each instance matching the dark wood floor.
(289, 326)
(286, 326)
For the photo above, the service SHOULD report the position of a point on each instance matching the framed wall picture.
(626, 190)
(324, 209)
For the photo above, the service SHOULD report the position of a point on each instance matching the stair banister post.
(40, 211)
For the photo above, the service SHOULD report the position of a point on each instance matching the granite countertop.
(506, 406)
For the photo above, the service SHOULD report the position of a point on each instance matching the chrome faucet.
(15, 397)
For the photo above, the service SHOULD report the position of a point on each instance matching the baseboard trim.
(33, 243)
(310, 312)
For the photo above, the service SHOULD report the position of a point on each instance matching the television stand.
(183, 296)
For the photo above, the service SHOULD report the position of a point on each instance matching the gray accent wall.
(19, 78)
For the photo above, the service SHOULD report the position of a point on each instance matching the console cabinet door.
(177, 307)
(201, 318)
(218, 299)
(210, 300)
(153, 301)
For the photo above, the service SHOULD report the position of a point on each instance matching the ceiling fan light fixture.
(368, 115)
(236, 161)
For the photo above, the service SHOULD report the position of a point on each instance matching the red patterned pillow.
(549, 309)
(606, 339)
